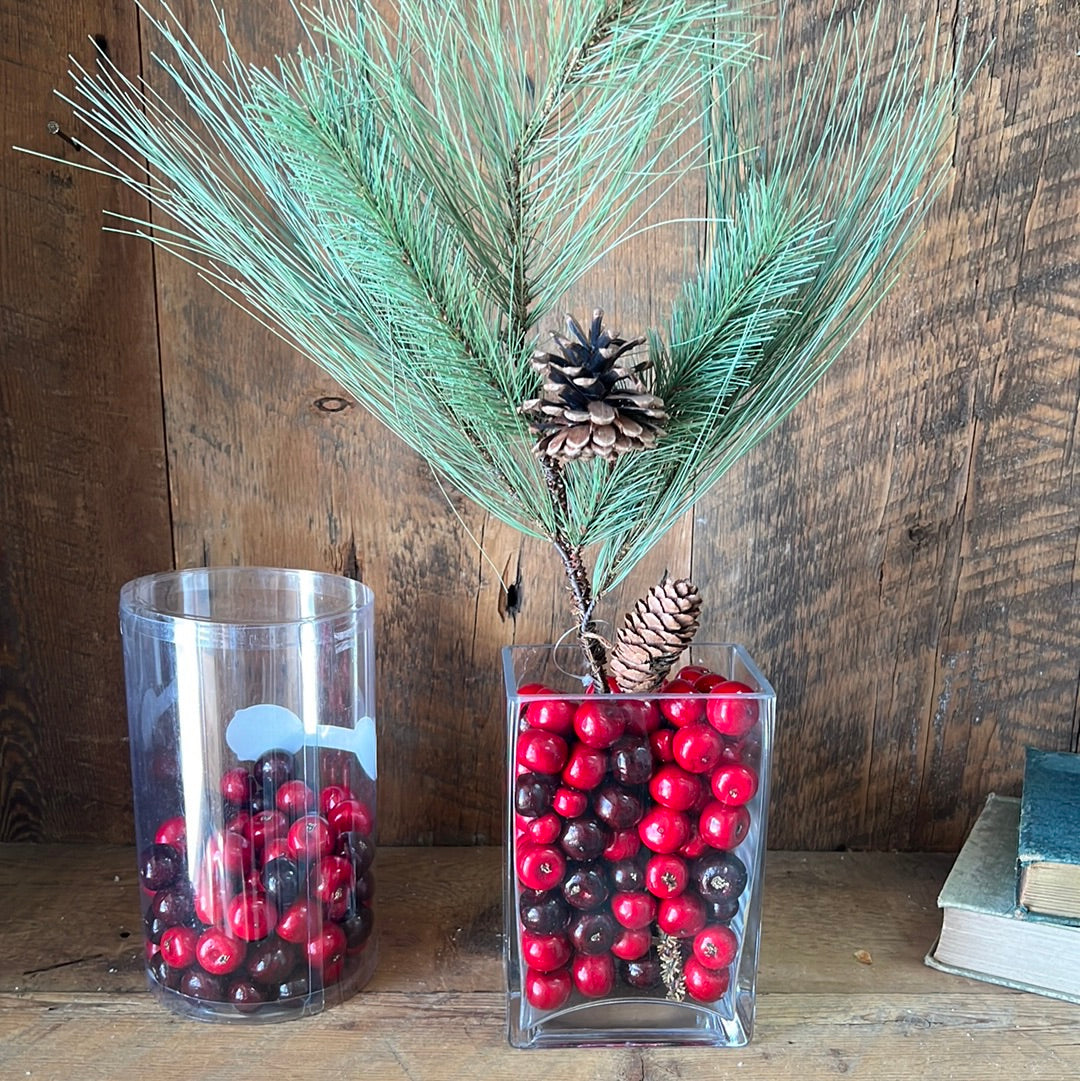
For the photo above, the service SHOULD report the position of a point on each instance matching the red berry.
(238, 786)
(632, 944)
(716, 946)
(533, 688)
(599, 724)
(542, 752)
(547, 990)
(593, 974)
(213, 891)
(332, 881)
(173, 831)
(672, 786)
(230, 854)
(311, 837)
(265, 825)
(544, 953)
(634, 910)
(697, 747)
(300, 922)
(542, 830)
(331, 796)
(351, 816)
(696, 844)
(666, 876)
(729, 714)
(585, 768)
(251, 916)
(705, 683)
(734, 785)
(219, 953)
(295, 798)
(682, 711)
(551, 714)
(326, 949)
(660, 743)
(623, 845)
(178, 946)
(540, 867)
(722, 826)
(681, 916)
(276, 847)
(642, 716)
(569, 802)
(691, 673)
(664, 830)
(704, 984)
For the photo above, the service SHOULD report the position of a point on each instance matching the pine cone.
(661, 626)
(590, 404)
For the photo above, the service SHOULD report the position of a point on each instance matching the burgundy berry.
(593, 974)
(617, 806)
(631, 760)
(295, 798)
(585, 887)
(238, 786)
(173, 831)
(634, 910)
(722, 911)
(298, 985)
(542, 752)
(251, 916)
(722, 826)
(627, 876)
(540, 867)
(664, 830)
(246, 996)
(178, 946)
(704, 984)
(688, 709)
(164, 973)
(674, 787)
(273, 769)
(734, 784)
(584, 839)
(592, 932)
(351, 816)
(281, 879)
(270, 961)
(300, 922)
(550, 714)
(631, 944)
(721, 876)
(545, 953)
(728, 712)
(175, 904)
(642, 716)
(715, 946)
(358, 928)
(681, 916)
(547, 990)
(195, 983)
(569, 802)
(624, 845)
(585, 767)
(364, 891)
(544, 913)
(642, 973)
(533, 794)
(218, 952)
(311, 837)
(159, 866)
(358, 849)
(697, 747)
(599, 723)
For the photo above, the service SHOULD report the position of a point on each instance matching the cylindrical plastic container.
(251, 710)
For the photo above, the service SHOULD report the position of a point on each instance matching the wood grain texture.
(899, 556)
(83, 502)
(73, 999)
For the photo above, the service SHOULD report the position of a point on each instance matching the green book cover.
(1050, 808)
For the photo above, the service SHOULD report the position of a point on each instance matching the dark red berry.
(270, 961)
(715, 946)
(627, 876)
(547, 990)
(159, 866)
(704, 984)
(358, 849)
(533, 794)
(722, 911)
(174, 905)
(585, 887)
(246, 996)
(195, 983)
(593, 974)
(722, 826)
(584, 839)
(164, 973)
(543, 912)
(721, 876)
(729, 713)
(545, 953)
(358, 928)
(281, 880)
(631, 760)
(592, 932)
(617, 806)
(642, 973)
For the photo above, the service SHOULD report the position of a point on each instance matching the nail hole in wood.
(332, 404)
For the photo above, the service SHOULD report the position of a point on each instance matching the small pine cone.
(652, 636)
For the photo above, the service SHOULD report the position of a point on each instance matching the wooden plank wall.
(900, 556)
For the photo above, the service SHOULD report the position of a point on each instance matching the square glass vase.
(635, 850)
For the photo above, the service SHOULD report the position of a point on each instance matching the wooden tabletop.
(842, 990)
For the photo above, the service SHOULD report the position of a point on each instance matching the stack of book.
(1011, 903)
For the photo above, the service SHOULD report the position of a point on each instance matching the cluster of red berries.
(272, 907)
(628, 812)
